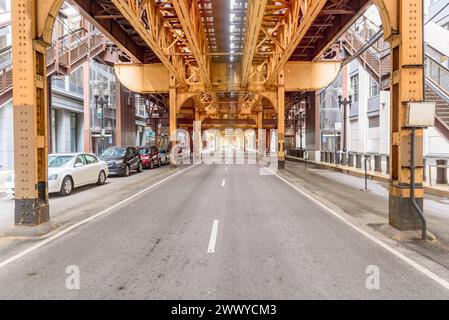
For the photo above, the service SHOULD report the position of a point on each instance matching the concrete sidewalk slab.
(371, 208)
(436, 190)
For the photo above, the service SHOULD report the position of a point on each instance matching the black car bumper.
(117, 170)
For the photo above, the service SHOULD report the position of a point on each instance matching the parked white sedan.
(67, 171)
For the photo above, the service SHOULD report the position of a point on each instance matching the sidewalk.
(331, 184)
(436, 190)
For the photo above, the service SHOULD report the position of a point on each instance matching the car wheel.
(151, 164)
(101, 178)
(126, 171)
(67, 186)
(139, 167)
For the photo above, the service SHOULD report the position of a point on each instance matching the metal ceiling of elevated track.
(223, 24)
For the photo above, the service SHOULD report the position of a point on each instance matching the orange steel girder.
(406, 85)
(150, 22)
(30, 112)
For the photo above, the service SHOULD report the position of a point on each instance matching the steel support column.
(406, 85)
(281, 119)
(173, 116)
(30, 116)
(260, 136)
(197, 138)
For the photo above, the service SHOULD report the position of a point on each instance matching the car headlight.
(119, 161)
(53, 177)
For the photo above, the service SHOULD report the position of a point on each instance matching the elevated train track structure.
(218, 61)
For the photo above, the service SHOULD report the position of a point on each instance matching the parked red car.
(149, 157)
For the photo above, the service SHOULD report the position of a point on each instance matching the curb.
(427, 189)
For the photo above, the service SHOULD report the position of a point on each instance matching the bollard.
(378, 163)
(387, 170)
(351, 159)
(368, 162)
(358, 161)
(344, 159)
(306, 156)
(366, 172)
(442, 171)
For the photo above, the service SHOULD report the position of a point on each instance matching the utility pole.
(344, 103)
(101, 100)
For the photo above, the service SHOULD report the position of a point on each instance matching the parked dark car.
(149, 156)
(122, 160)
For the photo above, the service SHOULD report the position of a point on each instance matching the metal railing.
(436, 72)
(370, 57)
(65, 55)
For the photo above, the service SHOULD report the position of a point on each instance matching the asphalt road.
(271, 243)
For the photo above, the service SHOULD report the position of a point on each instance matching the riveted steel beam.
(300, 18)
(147, 19)
(111, 29)
(30, 116)
(190, 20)
(255, 15)
(407, 78)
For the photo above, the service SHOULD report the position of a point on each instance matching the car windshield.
(114, 153)
(143, 151)
(59, 161)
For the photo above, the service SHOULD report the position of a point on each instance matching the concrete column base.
(31, 212)
(402, 215)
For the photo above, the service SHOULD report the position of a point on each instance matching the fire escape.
(68, 53)
(376, 60)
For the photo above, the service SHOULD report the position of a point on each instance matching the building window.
(374, 122)
(4, 5)
(73, 132)
(53, 130)
(373, 87)
(355, 87)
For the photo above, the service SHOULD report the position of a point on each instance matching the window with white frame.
(373, 87)
(355, 87)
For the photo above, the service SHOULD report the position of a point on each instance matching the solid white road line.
(76, 225)
(213, 237)
(398, 254)
(223, 182)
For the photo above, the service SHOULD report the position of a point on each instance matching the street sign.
(420, 114)
(150, 133)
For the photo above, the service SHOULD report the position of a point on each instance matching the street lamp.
(101, 99)
(344, 102)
